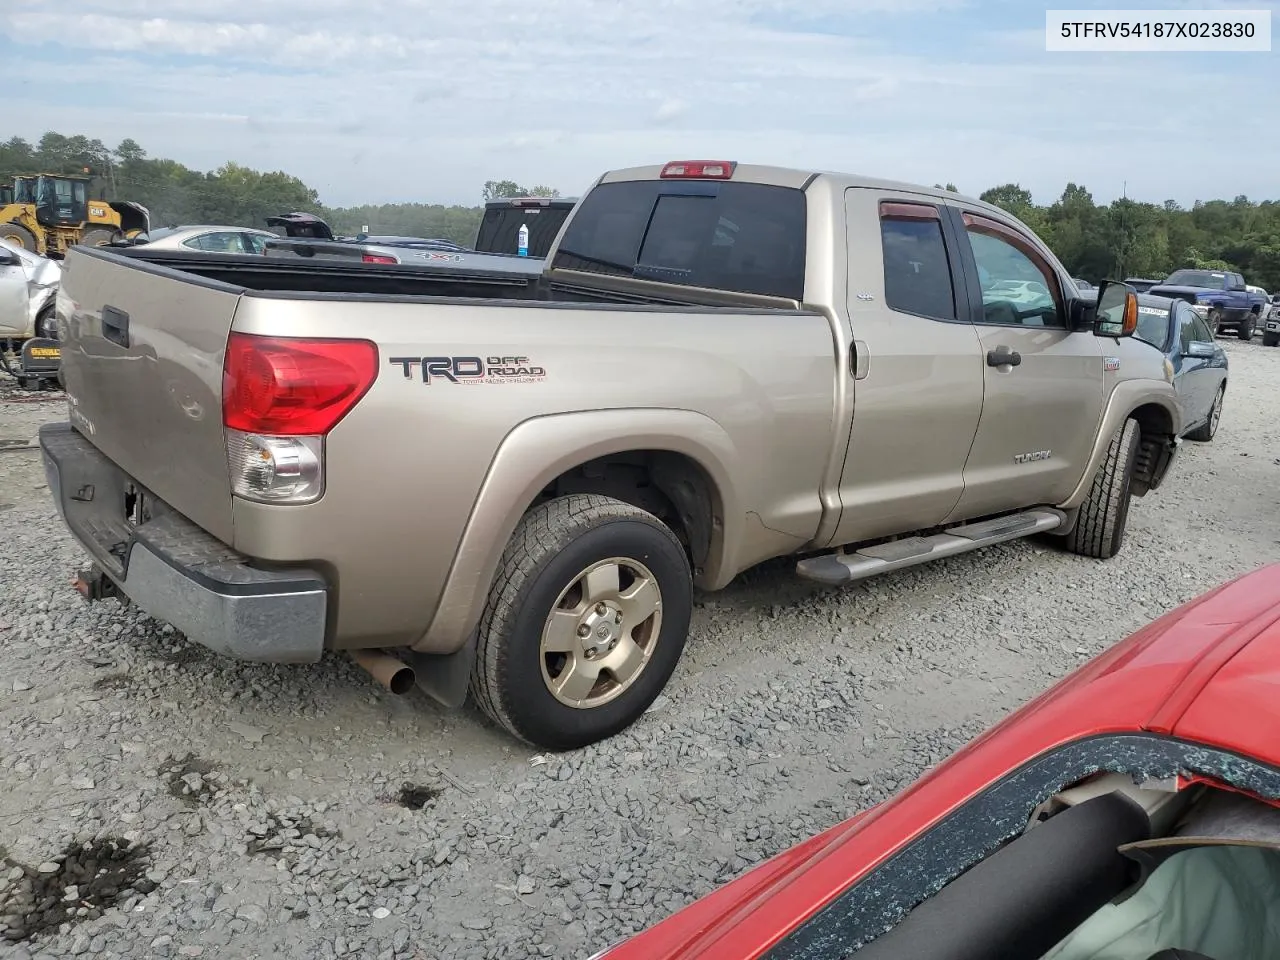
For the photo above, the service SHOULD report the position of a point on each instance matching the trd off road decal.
(470, 370)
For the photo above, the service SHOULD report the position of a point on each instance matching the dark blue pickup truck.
(1220, 297)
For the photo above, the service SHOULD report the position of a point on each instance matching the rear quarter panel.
(405, 466)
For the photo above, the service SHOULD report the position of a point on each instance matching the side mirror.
(1200, 348)
(1117, 312)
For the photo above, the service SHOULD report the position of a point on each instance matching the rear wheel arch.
(686, 457)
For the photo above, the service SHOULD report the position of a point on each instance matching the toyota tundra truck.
(512, 485)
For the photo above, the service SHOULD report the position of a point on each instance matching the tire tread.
(1099, 529)
(542, 533)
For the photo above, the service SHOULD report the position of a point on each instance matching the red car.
(1131, 812)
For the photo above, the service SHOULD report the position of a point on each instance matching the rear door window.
(736, 237)
(917, 273)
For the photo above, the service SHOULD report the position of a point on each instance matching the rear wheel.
(1099, 530)
(98, 237)
(1245, 330)
(19, 236)
(585, 623)
(1206, 431)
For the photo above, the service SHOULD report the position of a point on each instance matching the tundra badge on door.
(1032, 457)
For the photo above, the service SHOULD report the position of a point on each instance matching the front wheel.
(1214, 320)
(1271, 339)
(1099, 530)
(19, 236)
(585, 623)
(47, 324)
(1245, 330)
(1206, 431)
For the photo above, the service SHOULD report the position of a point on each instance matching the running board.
(839, 568)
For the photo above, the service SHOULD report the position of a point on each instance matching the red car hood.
(1206, 671)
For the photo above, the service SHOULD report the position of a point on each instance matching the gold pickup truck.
(514, 483)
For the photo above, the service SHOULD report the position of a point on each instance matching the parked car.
(1266, 304)
(1141, 284)
(668, 404)
(311, 238)
(443, 255)
(28, 289)
(1221, 297)
(210, 239)
(1083, 284)
(1019, 291)
(1271, 329)
(1128, 812)
(1196, 362)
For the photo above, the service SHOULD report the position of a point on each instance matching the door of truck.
(917, 389)
(1044, 386)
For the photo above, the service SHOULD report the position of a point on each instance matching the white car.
(28, 289)
(1266, 302)
(1018, 291)
(211, 239)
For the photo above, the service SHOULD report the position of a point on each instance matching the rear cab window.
(722, 235)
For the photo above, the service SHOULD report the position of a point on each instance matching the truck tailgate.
(142, 357)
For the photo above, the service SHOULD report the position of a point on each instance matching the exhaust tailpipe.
(393, 674)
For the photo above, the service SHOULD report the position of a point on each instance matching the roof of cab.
(800, 179)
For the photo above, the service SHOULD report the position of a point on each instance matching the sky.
(373, 101)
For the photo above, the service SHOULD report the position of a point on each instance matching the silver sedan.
(211, 239)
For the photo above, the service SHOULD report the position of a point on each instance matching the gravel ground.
(161, 802)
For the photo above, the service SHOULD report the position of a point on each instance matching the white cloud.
(426, 99)
(670, 109)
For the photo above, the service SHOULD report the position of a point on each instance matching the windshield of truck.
(1196, 278)
(500, 229)
(736, 237)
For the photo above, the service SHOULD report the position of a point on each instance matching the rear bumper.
(175, 571)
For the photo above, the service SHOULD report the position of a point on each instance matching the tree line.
(233, 194)
(1094, 241)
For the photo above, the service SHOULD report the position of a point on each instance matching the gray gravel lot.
(248, 811)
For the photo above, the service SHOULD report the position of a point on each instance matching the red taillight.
(699, 169)
(377, 258)
(291, 387)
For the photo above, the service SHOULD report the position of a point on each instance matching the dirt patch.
(414, 796)
(186, 778)
(77, 885)
(271, 838)
(114, 681)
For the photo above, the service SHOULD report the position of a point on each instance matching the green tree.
(501, 189)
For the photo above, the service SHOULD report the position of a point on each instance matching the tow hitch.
(92, 584)
(35, 365)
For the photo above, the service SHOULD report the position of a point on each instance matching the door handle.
(115, 325)
(1003, 356)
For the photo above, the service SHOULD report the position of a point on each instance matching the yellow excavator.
(50, 212)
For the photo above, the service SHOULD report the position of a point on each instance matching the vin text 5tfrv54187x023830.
(277, 455)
